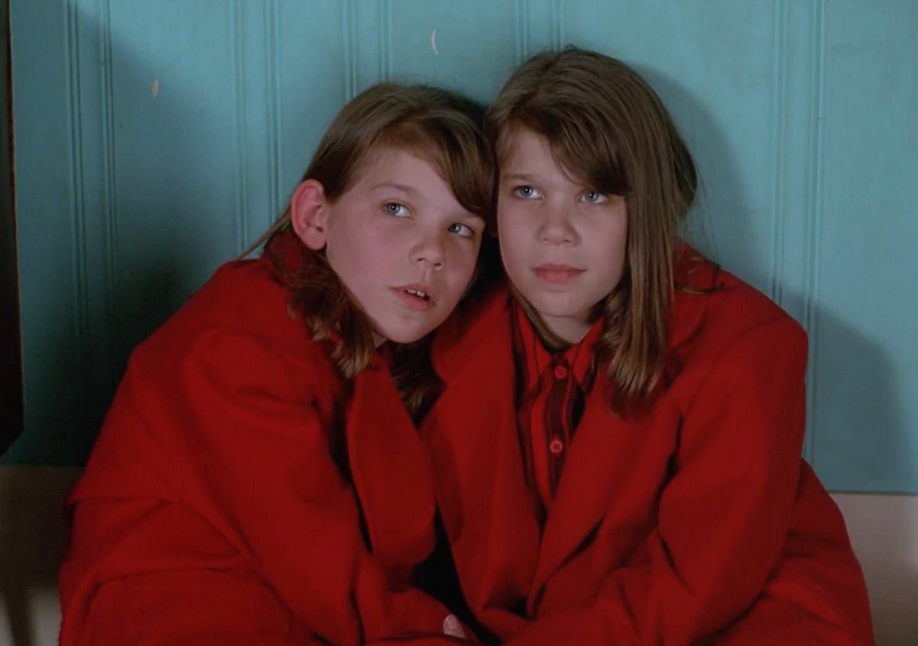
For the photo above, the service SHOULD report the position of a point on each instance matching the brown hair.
(607, 126)
(435, 124)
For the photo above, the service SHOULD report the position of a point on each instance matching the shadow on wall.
(857, 413)
(33, 537)
(159, 262)
(163, 246)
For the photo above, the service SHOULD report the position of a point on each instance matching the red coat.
(216, 507)
(697, 521)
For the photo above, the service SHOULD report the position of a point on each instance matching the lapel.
(611, 455)
(390, 470)
(472, 438)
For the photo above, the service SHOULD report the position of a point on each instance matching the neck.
(567, 329)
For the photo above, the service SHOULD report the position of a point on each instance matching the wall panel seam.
(78, 206)
(559, 23)
(778, 149)
(522, 30)
(278, 133)
(385, 40)
(273, 108)
(242, 216)
(109, 204)
(814, 231)
(348, 19)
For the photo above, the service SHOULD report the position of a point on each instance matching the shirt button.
(560, 372)
(556, 446)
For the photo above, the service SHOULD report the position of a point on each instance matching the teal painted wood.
(156, 140)
(864, 262)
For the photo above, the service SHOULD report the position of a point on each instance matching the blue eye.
(396, 209)
(594, 197)
(526, 192)
(463, 230)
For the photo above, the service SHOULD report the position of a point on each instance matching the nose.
(555, 227)
(429, 250)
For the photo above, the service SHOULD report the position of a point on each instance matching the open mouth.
(418, 294)
(415, 297)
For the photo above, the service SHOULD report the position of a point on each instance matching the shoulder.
(242, 311)
(246, 297)
(737, 309)
(719, 318)
(478, 328)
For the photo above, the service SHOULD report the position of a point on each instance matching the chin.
(559, 307)
(404, 336)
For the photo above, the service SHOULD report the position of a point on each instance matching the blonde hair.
(435, 124)
(606, 125)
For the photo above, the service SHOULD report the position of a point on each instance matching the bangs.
(457, 152)
(587, 150)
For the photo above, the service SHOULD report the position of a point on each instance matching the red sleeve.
(255, 474)
(724, 515)
(202, 608)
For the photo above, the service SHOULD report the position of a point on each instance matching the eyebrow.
(404, 188)
(520, 176)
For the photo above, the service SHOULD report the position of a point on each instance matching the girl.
(258, 479)
(630, 472)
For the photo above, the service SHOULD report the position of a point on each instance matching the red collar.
(534, 359)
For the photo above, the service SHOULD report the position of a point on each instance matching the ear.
(309, 213)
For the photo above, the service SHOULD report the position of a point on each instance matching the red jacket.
(695, 522)
(225, 498)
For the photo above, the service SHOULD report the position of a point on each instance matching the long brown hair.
(435, 124)
(606, 125)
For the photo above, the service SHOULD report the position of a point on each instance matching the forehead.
(383, 162)
(404, 174)
(527, 152)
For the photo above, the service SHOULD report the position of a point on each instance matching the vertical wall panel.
(473, 50)
(176, 149)
(867, 313)
(45, 195)
(309, 87)
(369, 36)
(254, 112)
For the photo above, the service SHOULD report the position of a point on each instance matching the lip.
(557, 274)
(414, 302)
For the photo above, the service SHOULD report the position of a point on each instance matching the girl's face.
(562, 242)
(399, 241)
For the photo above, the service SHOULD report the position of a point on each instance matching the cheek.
(463, 258)
(512, 247)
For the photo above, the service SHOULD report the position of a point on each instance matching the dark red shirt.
(550, 396)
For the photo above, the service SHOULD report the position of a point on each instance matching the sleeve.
(264, 464)
(724, 515)
(257, 476)
(817, 594)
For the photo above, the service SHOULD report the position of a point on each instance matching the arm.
(259, 535)
(724, 515)
(267, 469)
(817, 594)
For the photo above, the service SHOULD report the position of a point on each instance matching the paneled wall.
(155, 140)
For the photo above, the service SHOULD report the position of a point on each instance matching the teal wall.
(154, 140)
